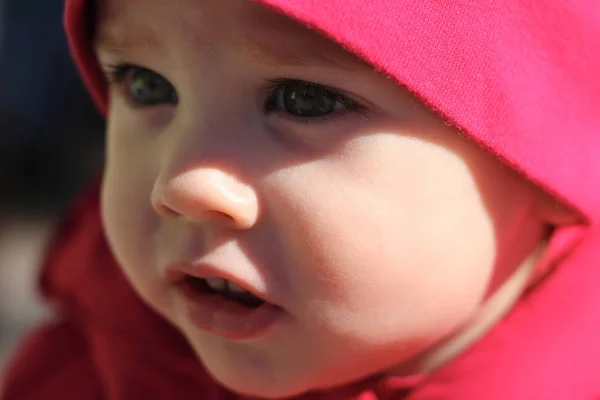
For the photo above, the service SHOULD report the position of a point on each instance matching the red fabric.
(522, 79)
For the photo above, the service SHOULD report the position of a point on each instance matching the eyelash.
(117, 73)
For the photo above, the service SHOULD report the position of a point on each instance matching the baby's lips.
(176, 272)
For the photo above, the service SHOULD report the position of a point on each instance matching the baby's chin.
(277, 378)
(265, 388)
(255, 383)
(258, 376)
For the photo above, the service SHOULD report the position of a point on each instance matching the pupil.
(307, 100)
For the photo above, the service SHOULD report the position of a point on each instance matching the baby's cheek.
(341, 263)
(129, 223)
(385, 274)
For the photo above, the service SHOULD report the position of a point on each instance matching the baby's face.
(243, 146)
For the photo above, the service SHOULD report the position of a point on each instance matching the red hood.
(522, 79)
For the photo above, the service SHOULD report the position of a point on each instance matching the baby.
(328, 199)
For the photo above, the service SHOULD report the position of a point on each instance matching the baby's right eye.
(143, 86)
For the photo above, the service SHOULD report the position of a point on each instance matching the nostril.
(166, 211)
(218, 216)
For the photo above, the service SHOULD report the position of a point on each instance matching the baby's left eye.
(306, 99)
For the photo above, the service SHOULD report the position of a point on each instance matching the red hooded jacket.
(520, 78)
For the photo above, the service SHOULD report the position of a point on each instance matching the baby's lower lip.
(215, 314)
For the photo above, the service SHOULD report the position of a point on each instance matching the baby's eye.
(143, 86)
(305, 99)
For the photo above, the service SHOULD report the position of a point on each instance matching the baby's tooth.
(216, 283)
(234, 288)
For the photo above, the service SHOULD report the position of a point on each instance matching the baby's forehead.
(262, 33)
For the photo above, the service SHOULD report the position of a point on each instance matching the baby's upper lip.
(178, 271)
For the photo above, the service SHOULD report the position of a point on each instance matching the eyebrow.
(120, 44)
(120, 41)
(277, 54)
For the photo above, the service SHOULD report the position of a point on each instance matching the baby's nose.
(206, 194)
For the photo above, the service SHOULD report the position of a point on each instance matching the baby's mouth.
(221, 304)
(223, 288)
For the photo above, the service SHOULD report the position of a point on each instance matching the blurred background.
(51, 143)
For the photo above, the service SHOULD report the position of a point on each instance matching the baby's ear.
(556, 213)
